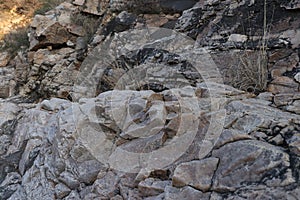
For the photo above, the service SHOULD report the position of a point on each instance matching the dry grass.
(250, 69)
(250, 73)
(15, 41)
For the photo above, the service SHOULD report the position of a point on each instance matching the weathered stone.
(18, 195)
(278, 140)
(9, 185)
(152, 187)
(186, 22)
(30, 153)
(120, 23)
(294, 107)
(4, 91)
(49, 33)
(156, 20)
(254, 119)
(36, 186)
(254, 162)
(231, 135)
(106, 186)
(94, 7)
(294, 143)
(145, 145)
(292, 5)
(4, 59)
(89, 170)
(284, 66)
(134, 194)
(77, 30)
(197, 174)
(151, 75)
(73, 196)
(261, 194)
(118, 197)
(297, 77)
(8, 82)
(53, 35)
(61, 190)
(187, 192)
(8, 113)
(54, 149)
(151, 6)
(54, 104)
(267, 96)
(47, 76)
(237, 38)
(292, 36)
(279, 54)
(69, 179)
(4, 143)
(50, 58)
(285, 99)
(162, 174)
(79, 2)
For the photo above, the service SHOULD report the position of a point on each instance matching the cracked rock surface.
(101, 106)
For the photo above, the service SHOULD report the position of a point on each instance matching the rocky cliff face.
(154, 99)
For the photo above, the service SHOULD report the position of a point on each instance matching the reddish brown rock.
(283, 84)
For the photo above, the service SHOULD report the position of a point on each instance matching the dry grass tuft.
(250, 73)
(15, 41)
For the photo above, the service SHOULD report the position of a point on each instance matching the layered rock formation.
(109, 102)
(90, 150)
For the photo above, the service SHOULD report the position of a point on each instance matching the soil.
(16, 14)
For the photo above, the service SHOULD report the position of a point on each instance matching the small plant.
(15, 40)
(251, 70)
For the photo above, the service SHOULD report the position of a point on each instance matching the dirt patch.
(16, 14)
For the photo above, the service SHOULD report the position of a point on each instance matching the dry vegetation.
(250, 72)
(15, 14)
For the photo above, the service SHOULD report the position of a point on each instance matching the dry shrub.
(250, 72)
(15, 41)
